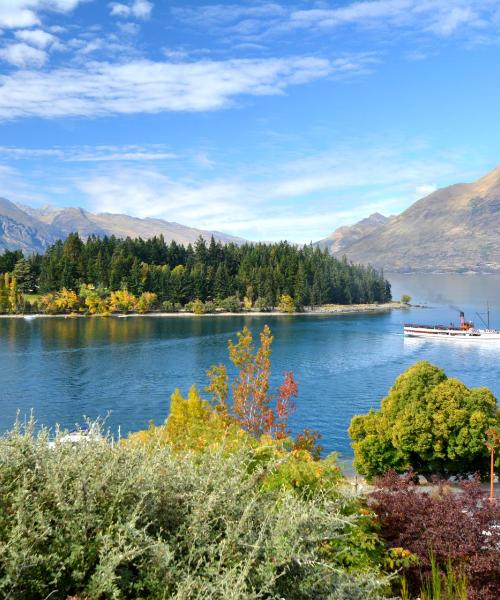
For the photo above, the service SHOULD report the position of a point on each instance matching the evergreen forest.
(258, 273)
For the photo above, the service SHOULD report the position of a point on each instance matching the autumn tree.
(146, 302)
(286, 304)
(95, 299)
(11, 301)
(4, 293)
(257, 409)
(122, 301)
(66, 301)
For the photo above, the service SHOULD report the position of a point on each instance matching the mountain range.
(35, 229)
(454, 229)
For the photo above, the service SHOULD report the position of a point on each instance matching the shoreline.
(325, 310)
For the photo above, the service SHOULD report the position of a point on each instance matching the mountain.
(21, 231)
(34, 230)
(454, 229)
(345, 236)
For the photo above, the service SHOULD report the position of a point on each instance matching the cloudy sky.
(266, 120)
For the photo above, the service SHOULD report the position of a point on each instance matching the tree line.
(204, 271)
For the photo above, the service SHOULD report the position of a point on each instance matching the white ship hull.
(452, 334)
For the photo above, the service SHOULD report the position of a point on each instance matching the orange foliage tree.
(257, 410)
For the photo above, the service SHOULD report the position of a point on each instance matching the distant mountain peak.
(456, 228)
(345, 236)
(35, 229)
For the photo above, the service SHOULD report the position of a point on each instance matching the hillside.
(454, 229)
(343, 237)
(34, 230)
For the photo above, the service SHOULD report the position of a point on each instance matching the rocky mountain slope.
(454, 229)
(33, 230)
(343, 237)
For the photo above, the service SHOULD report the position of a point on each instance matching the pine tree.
(25, 276)
(4, 293)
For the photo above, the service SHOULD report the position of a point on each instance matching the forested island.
(106, 275)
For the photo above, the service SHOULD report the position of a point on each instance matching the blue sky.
(267, 120)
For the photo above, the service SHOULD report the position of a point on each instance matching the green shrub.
(263, 305)
(231, 304)
(209, 307)
(428, 422)
(170, 307)
(124, 521)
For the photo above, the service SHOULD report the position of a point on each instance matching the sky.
(267, 120)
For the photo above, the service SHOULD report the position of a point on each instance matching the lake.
(125, 369)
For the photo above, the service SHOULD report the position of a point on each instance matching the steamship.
(464, 331)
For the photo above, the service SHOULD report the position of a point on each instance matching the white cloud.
(25, 13)
(439, 17)
(123, 155)
(300, 200)
(83, 154)
(22, 55)
(425, 189)
(36, 37)
(450, 21)
(140, 9)
(149, 87)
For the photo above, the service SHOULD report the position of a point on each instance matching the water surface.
(65, 369)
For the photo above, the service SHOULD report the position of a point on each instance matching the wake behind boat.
(464, 331)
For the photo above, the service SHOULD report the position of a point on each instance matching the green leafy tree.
(428, 422)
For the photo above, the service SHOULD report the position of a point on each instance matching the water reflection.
(67, 368)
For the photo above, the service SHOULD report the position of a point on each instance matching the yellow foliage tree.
(122, 301)
(66, 301)
(192, 425)
(48, 303)
(146, 302)
(286, 304)
(196, 306)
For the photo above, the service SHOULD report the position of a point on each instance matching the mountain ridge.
(35, 229)
(453, 229)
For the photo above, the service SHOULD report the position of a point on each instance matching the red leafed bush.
(460, 527)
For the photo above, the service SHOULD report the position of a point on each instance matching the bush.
(429, 422)
(263, 304)
(231, 304)
(196, 307)
(170, 307)
(122, 521)
(209, 307)
(454, 529)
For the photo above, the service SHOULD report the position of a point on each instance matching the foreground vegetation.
(221, 501)
(252, 275)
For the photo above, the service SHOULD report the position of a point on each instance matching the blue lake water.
(65, 369)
